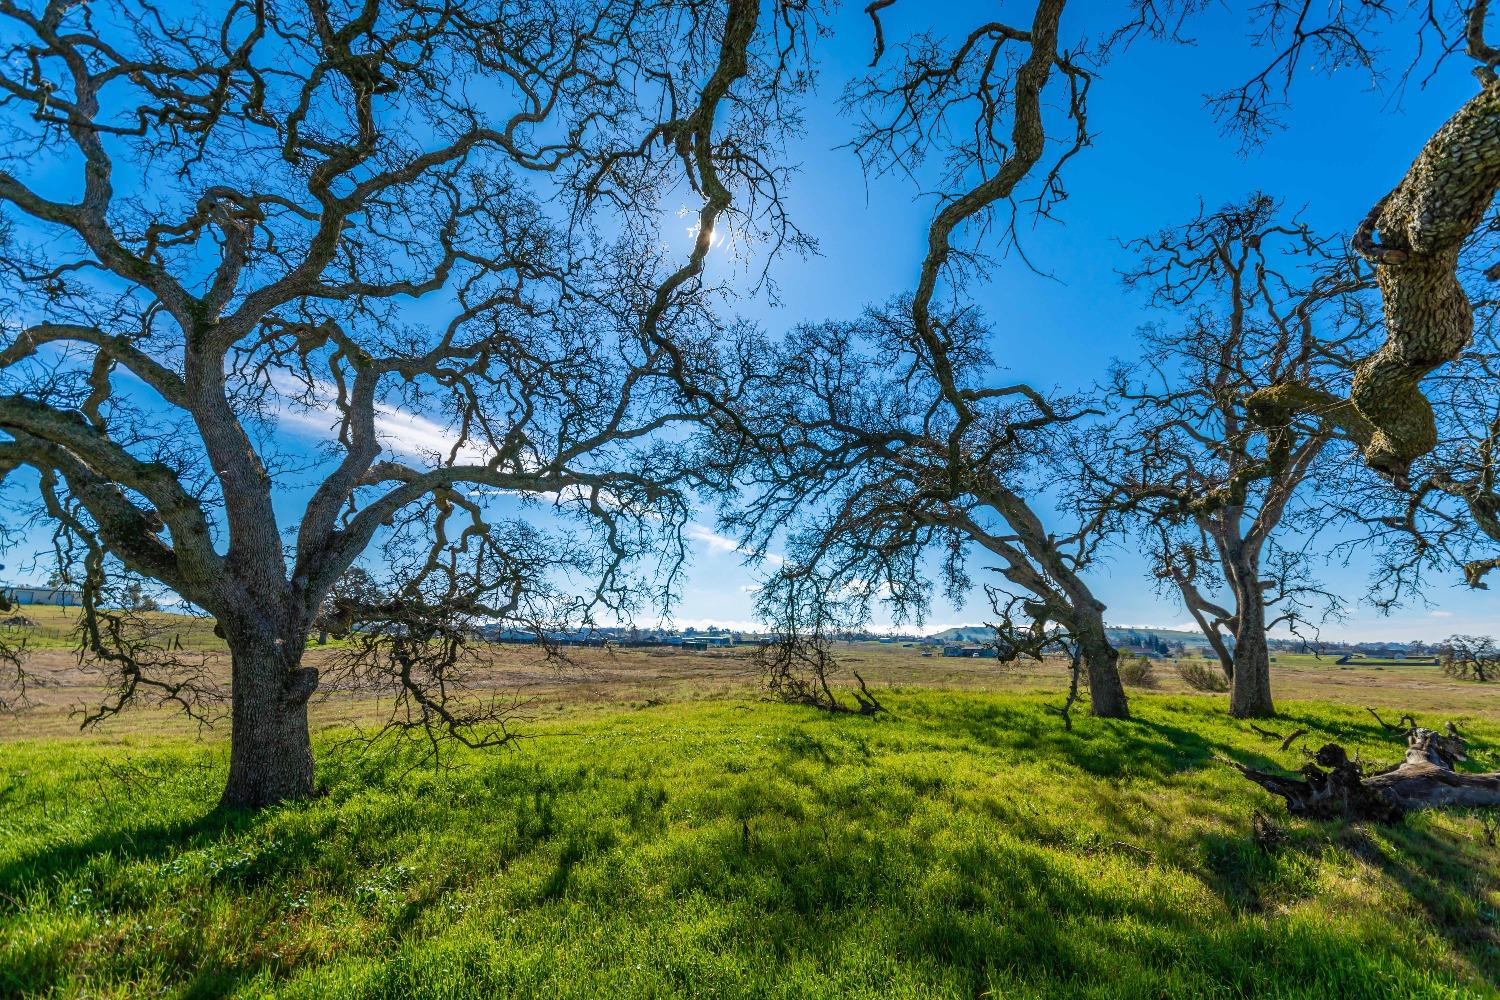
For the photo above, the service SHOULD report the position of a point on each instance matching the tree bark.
(270, 756)
(1106, 692)
(1250, 682)
(1414, 236)
(1044, 571)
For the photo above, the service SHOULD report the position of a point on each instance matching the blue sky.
(1157, 154)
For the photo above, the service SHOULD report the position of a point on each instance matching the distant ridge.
(1117, 633)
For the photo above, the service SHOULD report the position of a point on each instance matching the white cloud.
(416, 436)
(399, 431)
(710, 538)
(733, 624)
(1441, 614)
(720, 544)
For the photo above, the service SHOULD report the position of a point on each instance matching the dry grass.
(587, 681)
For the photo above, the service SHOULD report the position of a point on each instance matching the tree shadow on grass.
(1439, 872)
(1006, 917)
(1104, 748)
(151, 842)
(92, 865)
(1443, 875)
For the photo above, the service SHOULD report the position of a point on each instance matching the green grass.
(962, 847)
(56, 628)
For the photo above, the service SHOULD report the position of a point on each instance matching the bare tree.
(1020, 631)
(1449, 520)
(1446, 518)
(853, 469)
(1262, 300)
(1413, 236)
(876, 442)
(348, 219)
(1471, 657)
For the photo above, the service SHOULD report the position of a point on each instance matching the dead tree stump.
(1334, 787)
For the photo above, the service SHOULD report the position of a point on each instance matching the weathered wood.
(1334, 787)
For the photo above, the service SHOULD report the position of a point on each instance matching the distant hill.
(1117, 633)
(1191, 637)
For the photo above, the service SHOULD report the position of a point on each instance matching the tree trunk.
(1106, 692)
(270, 756)
(1250, 684)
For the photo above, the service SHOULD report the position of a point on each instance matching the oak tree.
(1256, 299)
(424, 235)
(871, 444)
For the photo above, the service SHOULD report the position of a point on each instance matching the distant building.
(971, 652)
(56, 596)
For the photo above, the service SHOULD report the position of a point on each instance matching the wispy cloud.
(413, 436)
(401, 432)
(711, 539)
(721, 544)
(416, 436)
(733, 624)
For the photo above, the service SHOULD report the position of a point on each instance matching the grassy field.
(717, 846)
(46, 627)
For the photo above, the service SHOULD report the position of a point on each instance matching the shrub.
(1202, 677)
(1137, 671)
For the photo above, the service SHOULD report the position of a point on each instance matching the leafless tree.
(1258, 299)
(876, 442)
(1447, 518)
(1471, 657)
(1448, 522)
(854, 472)
(233, 221)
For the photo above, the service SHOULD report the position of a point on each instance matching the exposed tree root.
(1334, 787)
(1286, 741)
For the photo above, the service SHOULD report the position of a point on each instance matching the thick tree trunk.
(270, 756)
(1250, 683)
(1106, 692)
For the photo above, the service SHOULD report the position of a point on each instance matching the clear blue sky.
(1156, 154)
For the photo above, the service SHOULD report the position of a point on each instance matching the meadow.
(663, 831)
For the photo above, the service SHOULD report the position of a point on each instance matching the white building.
(56, 596)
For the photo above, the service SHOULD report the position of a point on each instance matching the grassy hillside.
(964, 846)
(49, 627)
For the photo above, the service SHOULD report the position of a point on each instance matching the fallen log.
(1334, 787)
